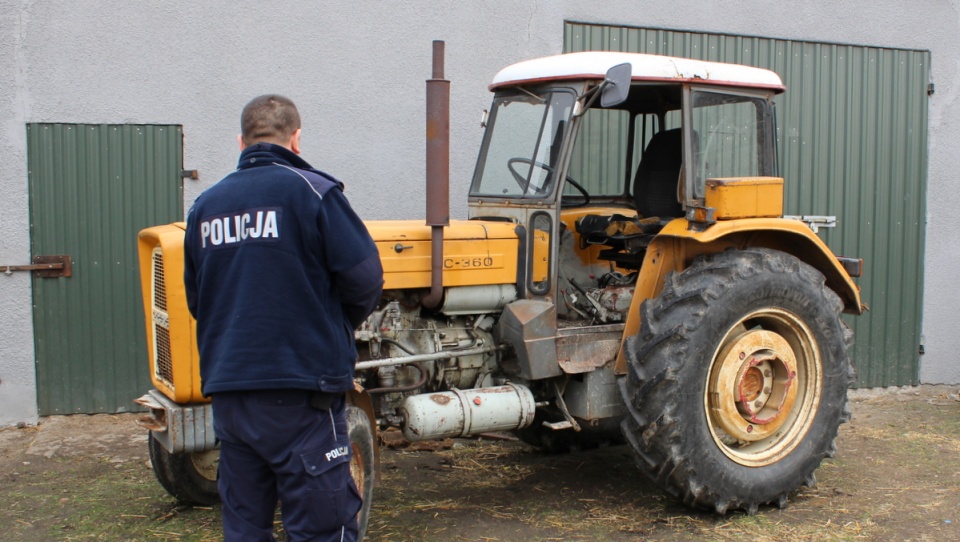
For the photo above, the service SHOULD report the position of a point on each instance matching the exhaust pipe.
(438, 172)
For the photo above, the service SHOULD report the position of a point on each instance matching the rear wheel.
(737, 380)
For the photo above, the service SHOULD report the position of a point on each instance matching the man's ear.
(295, 142)
(240, 142)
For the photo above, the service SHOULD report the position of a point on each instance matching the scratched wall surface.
(357, 70)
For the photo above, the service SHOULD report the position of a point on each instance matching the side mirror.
(616, 86)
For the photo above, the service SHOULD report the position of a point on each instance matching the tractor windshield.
(522, 145)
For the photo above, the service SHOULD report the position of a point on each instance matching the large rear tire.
(738, 380)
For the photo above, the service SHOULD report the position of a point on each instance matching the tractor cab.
(594, 153)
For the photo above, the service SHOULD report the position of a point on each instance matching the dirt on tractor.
(896, 476)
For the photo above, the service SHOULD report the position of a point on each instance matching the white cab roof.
(594, 65)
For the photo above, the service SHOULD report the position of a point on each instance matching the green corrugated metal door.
(92, 188)
(852, 136)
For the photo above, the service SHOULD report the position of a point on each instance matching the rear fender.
(676, 246)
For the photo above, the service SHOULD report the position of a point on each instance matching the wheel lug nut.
(758, 404)
(767, 373)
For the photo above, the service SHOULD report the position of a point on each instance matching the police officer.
(279, 271)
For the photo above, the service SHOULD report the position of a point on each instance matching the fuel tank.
(461, 413)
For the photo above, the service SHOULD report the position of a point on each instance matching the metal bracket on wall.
(44, 267)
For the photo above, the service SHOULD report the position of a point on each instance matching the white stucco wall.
(18, 400)
(357, 70)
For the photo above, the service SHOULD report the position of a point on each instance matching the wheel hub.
(357, 468)
(753, 392)
(206, 463)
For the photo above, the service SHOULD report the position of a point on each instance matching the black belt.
(323, 400)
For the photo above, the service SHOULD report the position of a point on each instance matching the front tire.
(363, 462)
(191, 478)
(737, 380)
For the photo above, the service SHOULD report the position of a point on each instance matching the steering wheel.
(522, 181)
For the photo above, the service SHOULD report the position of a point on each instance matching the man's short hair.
(269, 118)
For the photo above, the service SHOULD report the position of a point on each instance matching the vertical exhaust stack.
(438, 172)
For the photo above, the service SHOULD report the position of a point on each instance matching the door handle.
(44, 267)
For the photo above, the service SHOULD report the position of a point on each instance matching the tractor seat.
(655, 197)
(655, 184)
(626, 236)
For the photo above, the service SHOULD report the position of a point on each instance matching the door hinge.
(190, 174)
(44, 267)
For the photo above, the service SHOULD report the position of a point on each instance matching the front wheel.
(189, 477)
(363, 461)
(737, 380)
(192, 477)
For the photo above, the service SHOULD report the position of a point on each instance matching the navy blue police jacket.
(279, 271)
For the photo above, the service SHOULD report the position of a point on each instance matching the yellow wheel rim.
(763, 388)
(206, 463)
(357, 467)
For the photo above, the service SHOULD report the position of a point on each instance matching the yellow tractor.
(625, 273)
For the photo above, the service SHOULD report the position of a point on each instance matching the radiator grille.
(164, 363)
(159, 286)
(163, 357)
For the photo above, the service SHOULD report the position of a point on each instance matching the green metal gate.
(852, 137)
(92, 188)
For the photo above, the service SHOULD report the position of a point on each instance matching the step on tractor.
(625, 275)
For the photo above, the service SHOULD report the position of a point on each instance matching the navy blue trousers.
(274, 445)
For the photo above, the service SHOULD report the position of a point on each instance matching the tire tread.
(665, 344)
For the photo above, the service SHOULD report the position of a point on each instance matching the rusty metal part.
(438, 171)
(754, 385)
(178, 428)
(569, 421)
(44, 267)
(398, 389)
(358, 467)
(616, 299)
(585, 349)
(530, 326)
(764, 387)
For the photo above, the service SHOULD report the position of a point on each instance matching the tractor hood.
(475, 252)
